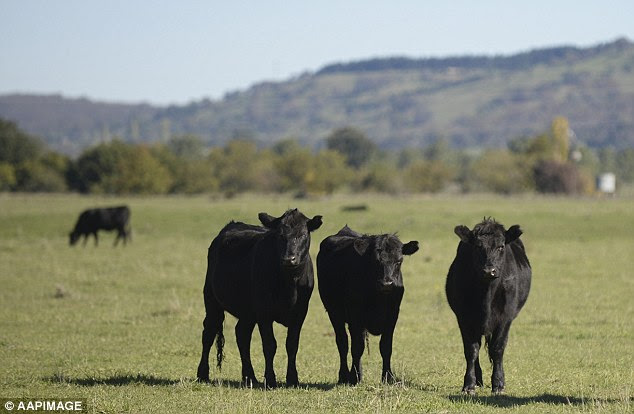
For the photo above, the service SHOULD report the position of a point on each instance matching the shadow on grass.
(507, 401)
(115, 381)
(151, 380)
(321, 386)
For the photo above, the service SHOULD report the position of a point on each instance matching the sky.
(174, 52)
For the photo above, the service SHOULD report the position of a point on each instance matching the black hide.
(487, 285)
(361, 284)
(260, 275)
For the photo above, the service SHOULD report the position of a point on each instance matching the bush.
(117, 168)
(35, 176)
(7, 177)
(428, 176)
(560, 178)
(502, 172)
(381, 177)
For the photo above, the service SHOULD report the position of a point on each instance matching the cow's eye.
(500, 249)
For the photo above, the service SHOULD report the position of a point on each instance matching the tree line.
(550, 162)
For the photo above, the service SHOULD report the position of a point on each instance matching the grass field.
(120, 327)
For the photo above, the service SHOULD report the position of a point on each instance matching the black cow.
(95, 219)
(259, 275)
(360, 283)
(487, 285)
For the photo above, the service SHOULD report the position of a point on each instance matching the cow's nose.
(490, 271)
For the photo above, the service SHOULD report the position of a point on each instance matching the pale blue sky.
(165, 52)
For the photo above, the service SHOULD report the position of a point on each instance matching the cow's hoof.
(294, 383)
(203, 380)
(389, 378)
(249, 382)
(202, 373)
(498, 391)
(469, 391)
(270, 384)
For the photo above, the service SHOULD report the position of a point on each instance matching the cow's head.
(73, 236)
(489, 241)
(292, 234)
(385, 254)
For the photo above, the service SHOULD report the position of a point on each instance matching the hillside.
(398, 102)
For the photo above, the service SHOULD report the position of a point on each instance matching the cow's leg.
(357, 339)
(341, 337)
(471, 342)
(269, 346)
(244, 331)
(497, 345)
(116, 239)
(385, 346)
(292, 345)
(96, 238)
(85, 238)
(212, 325)
(478, 373)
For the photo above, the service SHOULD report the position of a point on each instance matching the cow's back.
(339, 270)
(112, 218)
(461, 280)
(522, 274)
(229, 267)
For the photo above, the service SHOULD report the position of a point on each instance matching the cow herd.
(262, 274)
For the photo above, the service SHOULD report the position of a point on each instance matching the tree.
(327, 173)
(234, 166)
(560, 134)
(189, 147)
(117, 167)
(428, 176)
(381, 176)
(624, 163)
(190, 176)
(16, 146)
(138, 172)
(353, 145)
(7, 177)
(34, 175)
(503, 172)
(563, 178)
(292, 166)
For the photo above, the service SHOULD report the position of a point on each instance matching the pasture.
(120, 327)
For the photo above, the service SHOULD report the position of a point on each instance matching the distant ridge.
(546, 56)
(472, 101)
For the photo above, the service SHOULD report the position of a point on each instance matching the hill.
(472, 101)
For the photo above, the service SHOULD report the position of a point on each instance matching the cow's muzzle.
(490, 273)
(290, 262)
(385, 286)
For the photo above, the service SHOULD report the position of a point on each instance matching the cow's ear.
(267, 220)
(314, 223)
(464, 233)
(513, 233)
(361, 245)
(410, 248)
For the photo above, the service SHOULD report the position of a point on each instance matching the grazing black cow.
(360, 283)
(95, 219)
(259, 275)
(487, 285)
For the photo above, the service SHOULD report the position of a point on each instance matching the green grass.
(120, 327)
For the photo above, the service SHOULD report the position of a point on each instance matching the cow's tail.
(220, 344)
